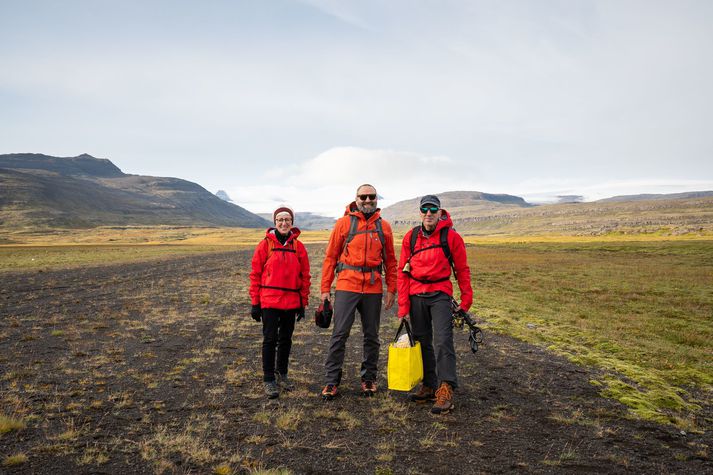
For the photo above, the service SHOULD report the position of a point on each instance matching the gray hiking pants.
(431, 324)
(345, 305)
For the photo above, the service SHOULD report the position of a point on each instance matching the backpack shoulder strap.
(270, 246)
(380, 232)
(414, 236)
(353, 225)
(445, 246)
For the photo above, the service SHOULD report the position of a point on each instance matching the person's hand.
(389, 301)
(256, 312)
(325, 296)
(300, 313)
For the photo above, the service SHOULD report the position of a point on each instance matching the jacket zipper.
(366, 251)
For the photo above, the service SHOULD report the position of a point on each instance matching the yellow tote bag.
(405, 366)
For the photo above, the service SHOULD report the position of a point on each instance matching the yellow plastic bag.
(405, 366)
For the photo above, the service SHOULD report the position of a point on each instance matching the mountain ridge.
(83, 191)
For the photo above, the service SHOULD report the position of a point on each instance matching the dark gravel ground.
(155, 368)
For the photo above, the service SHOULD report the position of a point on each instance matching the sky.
(298, 102)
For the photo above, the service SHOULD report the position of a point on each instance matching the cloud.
(327, 183)
(592, 191)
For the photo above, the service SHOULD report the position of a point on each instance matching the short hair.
(362, 186)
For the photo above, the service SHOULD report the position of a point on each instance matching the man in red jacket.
(425, 291)
(360, 248)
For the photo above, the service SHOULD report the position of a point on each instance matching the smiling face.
(283, 222)
(430, 214)
(366, 199)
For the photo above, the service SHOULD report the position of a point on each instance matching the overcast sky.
(300, 101)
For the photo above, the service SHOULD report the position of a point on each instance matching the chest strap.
(363, 269)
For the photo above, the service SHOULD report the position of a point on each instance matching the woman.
(279, 289)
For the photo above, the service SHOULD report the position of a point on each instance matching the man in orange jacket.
(428, 253)
(360, 248)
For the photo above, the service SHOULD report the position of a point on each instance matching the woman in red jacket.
(279, 289)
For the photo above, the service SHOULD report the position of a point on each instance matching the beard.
(364, 208)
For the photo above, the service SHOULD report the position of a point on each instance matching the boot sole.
(441, 412)
(423, 401)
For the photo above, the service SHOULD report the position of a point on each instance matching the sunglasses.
(364, 197)
(432, 209)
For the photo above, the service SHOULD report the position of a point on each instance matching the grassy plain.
(69, 248)
(154, 366)
(639, 307)
(639, 311)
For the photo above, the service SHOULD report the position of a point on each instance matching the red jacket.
(433, 264)
(363, 251)
(285, 267)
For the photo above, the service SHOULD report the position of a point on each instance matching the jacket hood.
(270, 234)
(445, 221)
(353, 210)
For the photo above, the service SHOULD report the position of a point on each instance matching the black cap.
(430, 200)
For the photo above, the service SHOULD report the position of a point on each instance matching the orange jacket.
(363, 251)
(280, 275)
(432, 264)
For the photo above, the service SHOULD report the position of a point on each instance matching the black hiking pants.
(277, 328)
(432, 326)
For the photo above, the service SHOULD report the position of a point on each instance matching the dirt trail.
(155, 368)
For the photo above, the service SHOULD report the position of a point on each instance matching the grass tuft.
(15, 459)
(9, 424)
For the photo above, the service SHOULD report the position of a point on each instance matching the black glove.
(256, 312)
(300, 313)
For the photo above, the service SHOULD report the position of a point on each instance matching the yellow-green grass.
(145, 235)
(641, 311)
(660, 235)
(106, 245)
(9, 424)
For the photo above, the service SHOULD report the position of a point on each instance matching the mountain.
(83, 191)
(679, 213)
(669, 196)
(464, 204)
(306, 221)
(223, 196)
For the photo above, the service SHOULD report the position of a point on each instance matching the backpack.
(443, 245)
(353, 226)
(270, 249)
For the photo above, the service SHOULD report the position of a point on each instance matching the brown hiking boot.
(368, 388)
(444, 399)
(424, 394)
(329, 392)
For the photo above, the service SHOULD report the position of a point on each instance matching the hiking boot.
(424, 394)
(284, 382)
(329, 392)
(444, 399)
(368, 388)
(271, 389)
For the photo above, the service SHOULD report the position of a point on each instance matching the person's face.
(430, 214)
(283, 223)
(366, 199)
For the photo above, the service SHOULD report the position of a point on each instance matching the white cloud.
(328, 182)
(517, 97)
